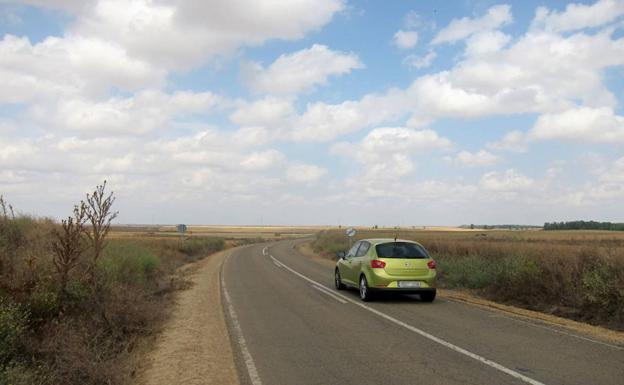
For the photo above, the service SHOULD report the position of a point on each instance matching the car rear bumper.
(380, 280)
(402, 290)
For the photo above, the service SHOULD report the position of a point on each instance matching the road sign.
(350, 232)
(181, 229)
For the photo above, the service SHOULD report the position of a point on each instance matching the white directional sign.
(350, 232)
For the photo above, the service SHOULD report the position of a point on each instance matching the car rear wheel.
(428, 296)
(365, 293)
(338, 281)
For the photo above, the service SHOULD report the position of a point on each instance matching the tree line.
(584, 225)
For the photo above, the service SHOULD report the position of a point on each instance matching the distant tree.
(584, 225)
(471, 226)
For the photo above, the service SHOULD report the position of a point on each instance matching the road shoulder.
(194, 347)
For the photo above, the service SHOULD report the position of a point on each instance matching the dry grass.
(226, 232)
(82, 325)
(575, 274)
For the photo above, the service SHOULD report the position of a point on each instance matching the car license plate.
(409, 284)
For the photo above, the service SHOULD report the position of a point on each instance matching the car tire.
(365, 294)
(338, 281)
(428, 296)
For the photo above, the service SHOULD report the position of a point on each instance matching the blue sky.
(316, 111)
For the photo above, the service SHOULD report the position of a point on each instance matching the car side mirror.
(340, 254)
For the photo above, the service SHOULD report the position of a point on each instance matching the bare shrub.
(68, 245)
(98, 210)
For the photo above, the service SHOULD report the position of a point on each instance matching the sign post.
(181, 229)
(350, 233)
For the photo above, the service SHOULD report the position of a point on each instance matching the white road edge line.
(324, 291)
(431, 337)
(249, 362)
(276, 262)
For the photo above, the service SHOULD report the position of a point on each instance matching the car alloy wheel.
(364, 295)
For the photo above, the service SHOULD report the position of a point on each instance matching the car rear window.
(401, 250)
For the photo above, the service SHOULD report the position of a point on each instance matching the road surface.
(288, 325)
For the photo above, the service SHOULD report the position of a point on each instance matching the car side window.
(364, 246)
(353, 250)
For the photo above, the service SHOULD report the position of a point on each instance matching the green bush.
(198, 247)
(13, 326)
(473, 272)
(43, 303)
(603, 290)
(17, 374)
(128, 262)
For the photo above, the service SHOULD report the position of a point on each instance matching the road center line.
(423, 333)
(325, 291)
(249, 362)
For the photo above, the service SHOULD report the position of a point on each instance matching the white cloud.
(139, 114)
(510, 181)
(413, 20)
(496, 17)
(258, 161)
(269, 112)
(486, 42)
(385, 153)
(514, 141)
(420, 61)
(301, 70)
(578, 16)
(474, 159)
(582, 124)
(305, 173)
(405, 39)
(579, 124)
(72, 66)
(614, 173)
(159, 31)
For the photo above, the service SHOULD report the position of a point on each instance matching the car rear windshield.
(401, 250)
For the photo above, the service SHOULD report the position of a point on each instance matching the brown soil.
(194, 347)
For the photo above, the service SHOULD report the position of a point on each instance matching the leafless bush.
(99, 214)
(68, 245)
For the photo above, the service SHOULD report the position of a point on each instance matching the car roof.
(377, 241)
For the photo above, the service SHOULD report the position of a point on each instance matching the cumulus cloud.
(158, 31)
(387, 152)
(509, 181)
(418, 62)
(301, 70)
(582, 124)
(579, 124)
(72, 66)
(473, 159)
(304, 173)
(496, 17)
(405, 39)
(142, 113)
(578, 16)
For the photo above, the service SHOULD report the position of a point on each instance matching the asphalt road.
(289, 325)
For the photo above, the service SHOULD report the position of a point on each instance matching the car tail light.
(377, 264)
(431, 264)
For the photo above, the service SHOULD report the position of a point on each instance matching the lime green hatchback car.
(373, 265)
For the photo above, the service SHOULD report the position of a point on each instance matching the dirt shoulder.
(590, 331)
(194, 347)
